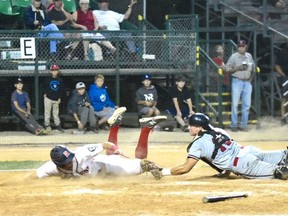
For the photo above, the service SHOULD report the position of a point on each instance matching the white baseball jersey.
(247, 161)
(88, 160)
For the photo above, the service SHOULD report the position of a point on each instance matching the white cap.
(80, 85)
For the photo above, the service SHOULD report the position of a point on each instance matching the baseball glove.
(157, 173)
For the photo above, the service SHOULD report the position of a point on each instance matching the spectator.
(21, 108)
(100, 100)
(47, 5)
(53, 88)
(109, 20)
(87, 21)
(79, 106)
(181, 104)
(64, 21)
(218, 59)
(146, 98)
(241, 67)
(281, 67)
(35, 18)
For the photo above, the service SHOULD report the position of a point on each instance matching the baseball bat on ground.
(211, 199)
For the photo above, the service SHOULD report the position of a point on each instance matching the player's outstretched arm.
(180, 169)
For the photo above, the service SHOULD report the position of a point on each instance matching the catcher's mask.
(200, 120)
(61, 156)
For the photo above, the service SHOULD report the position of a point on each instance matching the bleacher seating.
(7, 8)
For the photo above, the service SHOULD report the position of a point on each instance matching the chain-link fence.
(137, 52)
(182, 50)
(134, 50)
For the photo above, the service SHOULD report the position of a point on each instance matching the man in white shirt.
(110, 21)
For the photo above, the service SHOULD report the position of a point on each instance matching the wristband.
(78, 122)
(129, 6)
(166, 172)
(114, 148)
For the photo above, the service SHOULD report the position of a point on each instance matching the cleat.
(281, 173)
(39, 132)
(58, 128)
(147, 166)
(151, 121)
(116, 117)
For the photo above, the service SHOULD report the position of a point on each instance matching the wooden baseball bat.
(211, 199)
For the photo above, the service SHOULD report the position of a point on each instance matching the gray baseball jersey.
(247, 161)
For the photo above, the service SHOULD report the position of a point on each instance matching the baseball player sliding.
(216, 147)
(88, 160)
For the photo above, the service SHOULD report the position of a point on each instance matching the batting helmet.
(61, 156)
(54, 67)
(200, 120)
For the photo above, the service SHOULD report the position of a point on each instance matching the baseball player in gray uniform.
(87, 160)
(216, 147)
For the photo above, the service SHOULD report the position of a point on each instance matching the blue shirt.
(99, 98)
(22, 100)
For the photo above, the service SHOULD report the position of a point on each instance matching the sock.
(113, 137)
(141, 150)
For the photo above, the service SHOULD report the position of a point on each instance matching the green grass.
(14, 165)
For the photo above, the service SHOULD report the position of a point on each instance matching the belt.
(241, 78)
(235, 162)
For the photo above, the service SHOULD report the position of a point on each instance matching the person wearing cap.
(215, 147)
(104, 107)
(146, 98)
(21, 108)
(80, 108)
(53, 89)
(240, 66)
(181, 104)
(110, 20)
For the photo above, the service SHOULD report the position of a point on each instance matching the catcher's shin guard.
(281, 173)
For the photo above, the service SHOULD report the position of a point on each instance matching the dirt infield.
(23, 194)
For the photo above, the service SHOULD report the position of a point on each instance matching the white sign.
(27, 48)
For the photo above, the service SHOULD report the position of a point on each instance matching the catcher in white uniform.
(88, 160)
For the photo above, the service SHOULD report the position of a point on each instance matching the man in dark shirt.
(35, 18)
(181, 104)
(53, 88)
(79, 106)
(64, 21)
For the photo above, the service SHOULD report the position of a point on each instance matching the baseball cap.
(101, 1)
(54, 67)
(80, 85)
(18, 80)
(147, 76)
(241, 43)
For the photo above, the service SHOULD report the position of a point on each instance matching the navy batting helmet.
(61, 156)
(200, 120)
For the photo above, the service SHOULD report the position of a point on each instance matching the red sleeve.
(218, 61)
